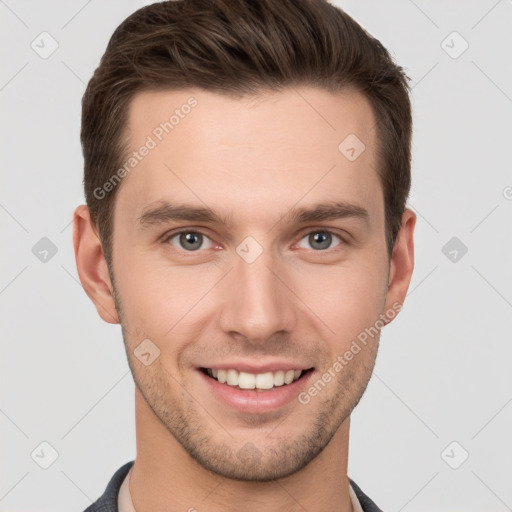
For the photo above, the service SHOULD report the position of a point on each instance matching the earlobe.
(402, 263)
(91, 265)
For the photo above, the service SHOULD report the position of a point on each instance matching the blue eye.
(322, 239)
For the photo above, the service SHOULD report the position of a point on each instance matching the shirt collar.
(125, 504)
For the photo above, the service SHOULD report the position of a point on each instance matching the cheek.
(163, 304)
(150, 301)
(347, 298)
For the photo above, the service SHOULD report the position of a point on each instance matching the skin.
(253, 159)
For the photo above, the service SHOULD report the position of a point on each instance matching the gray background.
(443, 370)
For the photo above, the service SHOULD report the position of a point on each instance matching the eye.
(192, 241)
(320, 240)
(189, 240)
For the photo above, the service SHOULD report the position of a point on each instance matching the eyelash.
(172, 234)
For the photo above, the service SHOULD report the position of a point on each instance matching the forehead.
(249, 155)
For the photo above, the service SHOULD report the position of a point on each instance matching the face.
(249, 247)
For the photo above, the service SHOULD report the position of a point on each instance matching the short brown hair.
(242, 47)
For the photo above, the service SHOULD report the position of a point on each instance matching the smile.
(259, 381)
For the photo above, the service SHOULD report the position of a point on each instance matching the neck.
(166, 478)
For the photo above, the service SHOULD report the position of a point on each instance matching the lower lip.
(254, 401)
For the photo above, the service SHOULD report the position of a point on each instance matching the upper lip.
(251, 367)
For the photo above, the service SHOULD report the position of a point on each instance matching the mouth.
(245, 381)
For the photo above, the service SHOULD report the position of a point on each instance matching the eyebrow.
(163, 212)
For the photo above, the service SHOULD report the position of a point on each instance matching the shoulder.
(107, 502)
(366, 503)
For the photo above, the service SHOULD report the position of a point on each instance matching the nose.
(257, 301)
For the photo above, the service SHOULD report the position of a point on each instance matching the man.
(273, 137)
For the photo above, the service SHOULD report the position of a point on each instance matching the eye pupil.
(321, 237)
(191, 238)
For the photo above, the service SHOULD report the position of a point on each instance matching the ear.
(92, 266)
(402, 263)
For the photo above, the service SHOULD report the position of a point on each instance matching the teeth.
(265, 380)
(232, 377)
(245, 380)
(279, 378)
